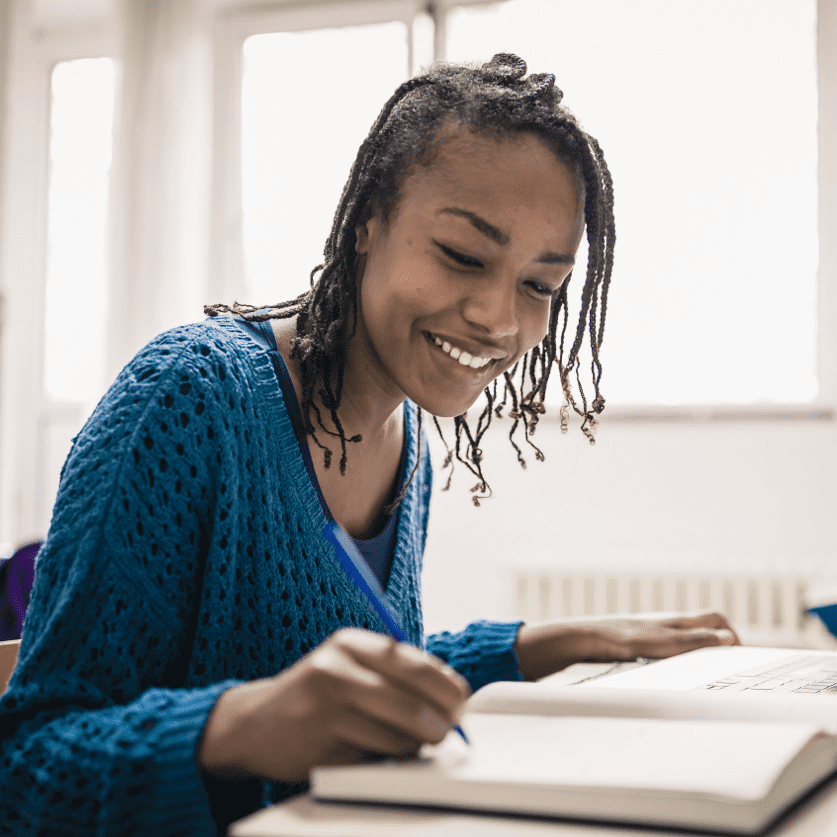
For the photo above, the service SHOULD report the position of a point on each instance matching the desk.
(815, 816)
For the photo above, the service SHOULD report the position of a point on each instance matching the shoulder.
(214, 354)
(203, 376)
(189, 345)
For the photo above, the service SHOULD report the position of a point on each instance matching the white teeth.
(464, 358)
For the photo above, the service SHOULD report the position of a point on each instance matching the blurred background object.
(16, 576)
(821, 600)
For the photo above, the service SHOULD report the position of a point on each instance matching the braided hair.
(497, 100)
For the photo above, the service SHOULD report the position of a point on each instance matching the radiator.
(763, 610)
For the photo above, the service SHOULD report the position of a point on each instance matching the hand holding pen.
(355, 696)
(356, 568)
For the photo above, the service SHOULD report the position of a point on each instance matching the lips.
(460, 355)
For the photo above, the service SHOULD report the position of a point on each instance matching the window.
(306, 108)
(81, 121)
(707, 113)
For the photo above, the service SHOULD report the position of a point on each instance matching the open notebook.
(692, 758)
(739, 668)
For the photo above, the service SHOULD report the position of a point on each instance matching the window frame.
(29, 415)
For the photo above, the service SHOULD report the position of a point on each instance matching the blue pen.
(358, 571)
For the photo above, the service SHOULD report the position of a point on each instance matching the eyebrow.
(501, 238)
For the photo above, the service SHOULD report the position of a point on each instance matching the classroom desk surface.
(814, 816)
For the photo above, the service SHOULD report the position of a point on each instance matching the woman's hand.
(355, 696)
(545, 649)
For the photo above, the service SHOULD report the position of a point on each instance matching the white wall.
(757, 496)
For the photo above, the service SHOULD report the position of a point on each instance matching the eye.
(459, 258)
(540, 290)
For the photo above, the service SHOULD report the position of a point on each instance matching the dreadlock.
(498, 100)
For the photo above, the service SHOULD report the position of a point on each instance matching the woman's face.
(456, 286)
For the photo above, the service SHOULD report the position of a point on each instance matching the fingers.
(383, 695)
(369, 735)
(676, 635)
(668, 641)
(406, 703)
(409, 667)
(544, 649)
(716, 622)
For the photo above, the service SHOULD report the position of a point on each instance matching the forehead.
(507, 173)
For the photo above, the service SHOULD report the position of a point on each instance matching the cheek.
(535, 327)
(372, 309)
(399, 290)
(387, 307)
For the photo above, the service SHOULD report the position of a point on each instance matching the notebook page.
(545, 700)
(716, 759)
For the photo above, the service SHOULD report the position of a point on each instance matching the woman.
(192, 647)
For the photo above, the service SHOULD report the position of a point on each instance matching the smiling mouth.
(462, 357)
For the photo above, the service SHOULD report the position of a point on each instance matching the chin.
(446, 409)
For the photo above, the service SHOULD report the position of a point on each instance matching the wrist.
(545, 649)
(222, 745)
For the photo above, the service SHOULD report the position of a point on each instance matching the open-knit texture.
(185, 556)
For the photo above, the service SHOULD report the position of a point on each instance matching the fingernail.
(725, 636)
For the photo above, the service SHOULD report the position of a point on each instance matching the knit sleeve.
(90, 743)
(482, 653)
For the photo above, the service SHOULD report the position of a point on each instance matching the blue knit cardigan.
(184, 557)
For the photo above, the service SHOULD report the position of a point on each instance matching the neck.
(369, 407)
(358, 498)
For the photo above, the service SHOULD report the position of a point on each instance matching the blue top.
(376, 551)
(184, 557)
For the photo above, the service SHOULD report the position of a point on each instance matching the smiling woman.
(193, 647)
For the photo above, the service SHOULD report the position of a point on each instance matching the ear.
(365, 234)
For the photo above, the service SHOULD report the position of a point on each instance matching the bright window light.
(707, 114)
(309, 99)
(81, 123)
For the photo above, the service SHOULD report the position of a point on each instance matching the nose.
(492, 308)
